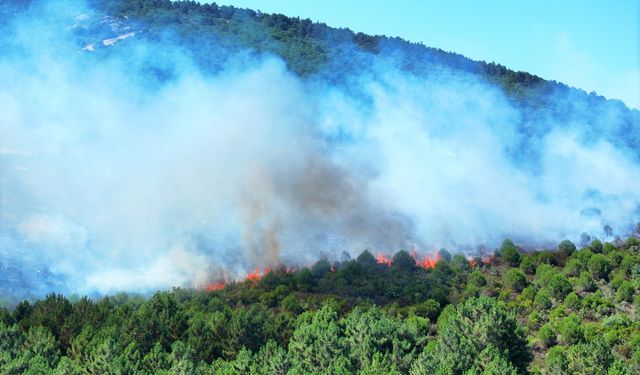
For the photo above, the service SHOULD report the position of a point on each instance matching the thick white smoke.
(116, 183)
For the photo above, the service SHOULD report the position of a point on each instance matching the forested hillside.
(111, 179)
(565, 311)
(216, 35)
(309, 48)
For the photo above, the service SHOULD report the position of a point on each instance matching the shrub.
(291, 303)
(556, 360)
(617, 279)
(599, 266)
(558, 312)
(570, 330)
(472, 291)
(528, 293)
(547, 335)
(608, 247)
(546, 257)
(628, 264)
(543, 270)
(596, 246)
(573, 268)
(625, 292)
(534, 319)
(477, 278)
(428, 309)
(459, 263)
(593, 357)
(510, 253)
(467, 330)
(527, 265)
(585, 282)
(516, 279)
(559, 286)
(572, 301)
(542, 300)
(566, 248)
(315, 343)
(583, 255)
(632, 241)
(615, 258)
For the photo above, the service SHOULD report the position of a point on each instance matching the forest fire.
(428, 262)
(253, 277)
(215, 286)
(383, 259)
(256, 275)
(487, 260)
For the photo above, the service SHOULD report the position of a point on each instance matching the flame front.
(215, 286)
(383, 259)
(487, 260)
(256, 275)
(429, 261)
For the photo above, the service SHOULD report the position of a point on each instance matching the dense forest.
(565, 311)
(568, 310)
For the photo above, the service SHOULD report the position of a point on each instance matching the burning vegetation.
(272, 317)
(510, 299)
(402, 260)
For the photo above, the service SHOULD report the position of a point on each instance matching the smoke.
(117, 177)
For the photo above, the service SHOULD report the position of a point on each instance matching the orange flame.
(215, 286)
(383, 259)
(254, 275)
(487, 260)
(429, 261)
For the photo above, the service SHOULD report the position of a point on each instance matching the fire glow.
(427, 262)
(256, 275)
(252, 277)
(383, 259)
(215, 286)
(486, 260)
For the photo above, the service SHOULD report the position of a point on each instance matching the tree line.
(566, 311)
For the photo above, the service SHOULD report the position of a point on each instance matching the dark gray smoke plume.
(115, 179)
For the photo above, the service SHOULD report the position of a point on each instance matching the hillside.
(216, 36)
(211, 32)
(550, 312)
(203, 189)
(314, 49)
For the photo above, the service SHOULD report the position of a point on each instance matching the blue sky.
(590, 44)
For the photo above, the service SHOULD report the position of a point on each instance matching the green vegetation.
(574, 311)
(556, 312)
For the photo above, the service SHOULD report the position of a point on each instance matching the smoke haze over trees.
(151, 144)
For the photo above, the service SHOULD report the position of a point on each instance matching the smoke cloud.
(114, 179)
